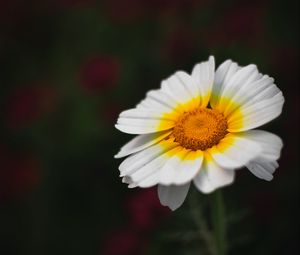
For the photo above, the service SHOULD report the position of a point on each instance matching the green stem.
(203, 229)
(218, 221)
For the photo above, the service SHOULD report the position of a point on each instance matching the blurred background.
(68, 67)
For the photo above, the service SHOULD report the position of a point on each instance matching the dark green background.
(67, 68)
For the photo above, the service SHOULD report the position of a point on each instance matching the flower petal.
(262, 168)
(235, 150)
(265, 164)
(144, 167)
(245, 97)
(182, 167)
(158, 99)
(269, 143)
(182, 88)
(161, 108)
(223, 74)
(128, 180)
(249, 92)
(256, 113)
(141, 142)
(172, 196)
(203, 73)
(212, 176)
(136, 161)
(142, 121)
(241, 78)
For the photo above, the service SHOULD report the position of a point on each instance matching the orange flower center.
(200, 129)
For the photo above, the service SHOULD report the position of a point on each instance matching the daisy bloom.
(199, 128)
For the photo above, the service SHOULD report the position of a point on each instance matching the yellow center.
(200, 129)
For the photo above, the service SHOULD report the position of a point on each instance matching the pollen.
(200, 129)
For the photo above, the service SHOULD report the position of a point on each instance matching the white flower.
(199, 128)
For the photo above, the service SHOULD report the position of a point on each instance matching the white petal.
(270, 144)
(136, 161)
(172, 196)
(149, 103)
(235, 150)
(223, 74)
(182, 88)
(254, 115)
(148, 175)
(158, 112)
(247, 94)
(235, 89)
(128, 180)
(142, 121)
(229, 87)
(262, 168)
(144, 167)
(141, 142)
(181, 168)
(245, 97)
(158, 99)
(203, 73)
(265, 164)
(239, 79)
(189, 83)
(262, 89)
(212, 176)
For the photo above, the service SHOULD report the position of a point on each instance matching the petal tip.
(117, 155)
(211, 58)
(173, 208)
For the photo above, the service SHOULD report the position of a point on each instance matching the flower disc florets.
(200, 129)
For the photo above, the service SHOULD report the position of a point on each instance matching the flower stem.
(218, 221)
(199, 220)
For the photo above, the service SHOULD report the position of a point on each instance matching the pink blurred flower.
(145, 210)
(28, 103)
(19, 174)
(145, 214)
(124, 241)
(99, 73)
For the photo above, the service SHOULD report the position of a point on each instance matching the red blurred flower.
(124, 241)
(19, 174)
(99, 73)
(145, 210)
(27, 104)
